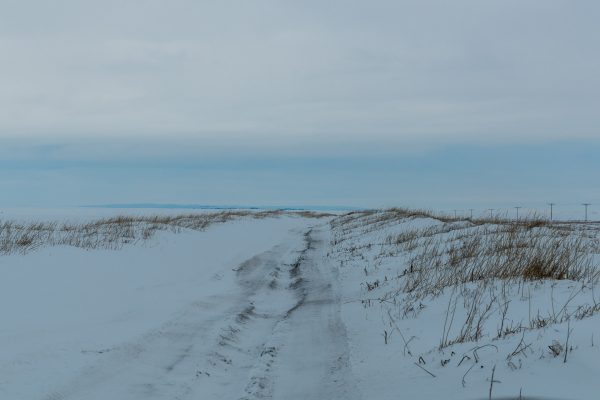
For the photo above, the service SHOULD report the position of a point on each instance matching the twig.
(567, 342)
(406, 348)
(492, 382)
(474, 350)
(521, 347)
(464, 382)
(465, 357)
(424, 369)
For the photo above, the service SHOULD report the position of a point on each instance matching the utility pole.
(470, 209)
(455, 217)
(586, 205)
(551, 210)
(518, 208)
(491, 210)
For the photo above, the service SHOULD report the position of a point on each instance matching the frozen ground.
(290, 307)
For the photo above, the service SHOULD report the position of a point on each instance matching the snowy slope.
(396, 337)
(288, 307)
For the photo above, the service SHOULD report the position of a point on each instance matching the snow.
(62, 306)
(281, 307)
(388, 370)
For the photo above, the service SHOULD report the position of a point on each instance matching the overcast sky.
(291, 102)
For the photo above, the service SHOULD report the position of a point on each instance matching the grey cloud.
(238, 70)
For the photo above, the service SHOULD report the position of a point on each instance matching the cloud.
(429, 71)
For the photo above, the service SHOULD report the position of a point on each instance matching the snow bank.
(415, 342)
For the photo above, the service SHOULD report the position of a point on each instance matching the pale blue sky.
(424, 103)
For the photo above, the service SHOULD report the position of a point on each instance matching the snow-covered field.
(369, 305)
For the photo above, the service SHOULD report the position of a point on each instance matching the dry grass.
(113, 233)
(482, 264)
(458, 252)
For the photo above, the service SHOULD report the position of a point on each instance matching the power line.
(586, 205)
(518, 208)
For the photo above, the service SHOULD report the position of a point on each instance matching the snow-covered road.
(306, 355)
(256, 320)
